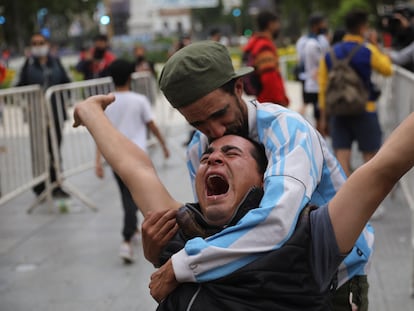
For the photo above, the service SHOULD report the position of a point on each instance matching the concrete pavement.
(51, 260)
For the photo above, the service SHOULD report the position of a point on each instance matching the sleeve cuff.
(183, 272)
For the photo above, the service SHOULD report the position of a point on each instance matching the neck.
(122, 88)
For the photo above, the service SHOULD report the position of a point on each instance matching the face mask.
(98, 53)
(39, 51)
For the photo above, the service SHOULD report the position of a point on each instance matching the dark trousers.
(40, 187)
(130, 211)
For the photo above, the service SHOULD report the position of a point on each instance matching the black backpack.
(346, 93)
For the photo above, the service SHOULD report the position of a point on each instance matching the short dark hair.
(355, 19)
(100, 37)
(259, 154)
(39, 34)
(214, 31)
(315, 19)
(264, 18)
(120, 70)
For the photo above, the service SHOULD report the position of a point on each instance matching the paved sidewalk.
(51, 260)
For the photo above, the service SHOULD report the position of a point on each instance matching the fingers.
(90, 103)
(159, 217)
(160, 225)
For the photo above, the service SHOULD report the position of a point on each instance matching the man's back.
(130, 114)
(266, 63)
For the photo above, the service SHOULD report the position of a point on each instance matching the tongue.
(217, 185)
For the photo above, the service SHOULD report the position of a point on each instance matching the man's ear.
(238, 87)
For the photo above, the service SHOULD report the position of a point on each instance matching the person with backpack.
(347, 94)
(260, 52)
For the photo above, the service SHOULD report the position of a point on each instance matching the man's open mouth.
(216, 185)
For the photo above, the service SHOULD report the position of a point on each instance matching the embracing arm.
(361, 194)
(126, 159)
(289, 184)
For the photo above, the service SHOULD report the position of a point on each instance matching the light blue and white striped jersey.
(301, 170)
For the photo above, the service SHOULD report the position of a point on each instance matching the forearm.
(403, 56)
(126, 159)
(291, 167)
(263, 229)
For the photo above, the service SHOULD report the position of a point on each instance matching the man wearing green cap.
(201, 83)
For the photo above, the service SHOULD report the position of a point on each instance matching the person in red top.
(95, 62)
(263, 56)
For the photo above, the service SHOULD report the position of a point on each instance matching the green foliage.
(337, 17)
(21, 17)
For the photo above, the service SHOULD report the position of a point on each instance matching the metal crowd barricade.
(144, 82)
(394, 105)
(74, 147)
(23, 141)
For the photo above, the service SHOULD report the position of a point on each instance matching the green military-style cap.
(196, 70)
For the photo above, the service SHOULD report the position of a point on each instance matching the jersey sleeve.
(325, 257)
(323, 82)
(380, 62)
(295, 165)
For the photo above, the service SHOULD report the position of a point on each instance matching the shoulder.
(275, 112)
(281, 120)
(262, 44)
(109, 56)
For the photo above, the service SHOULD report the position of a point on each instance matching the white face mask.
(40, 51)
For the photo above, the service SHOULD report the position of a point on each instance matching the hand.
(163, 282)
(372, 37)
(405, 23)
(89, 106)
(99, 171)
(157, 229)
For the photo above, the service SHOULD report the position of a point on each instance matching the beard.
(240, 126)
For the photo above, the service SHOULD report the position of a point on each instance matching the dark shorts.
(364, 129)
(312, 98)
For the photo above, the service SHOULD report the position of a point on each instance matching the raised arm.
(361, 194)
(126, 159)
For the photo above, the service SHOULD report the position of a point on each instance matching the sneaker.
(59, 193)
(125, 252)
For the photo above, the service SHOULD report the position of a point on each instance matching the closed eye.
(215, 115)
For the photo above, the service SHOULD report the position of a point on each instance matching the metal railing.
(394, 105)
(74, 148)
(23, 141)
